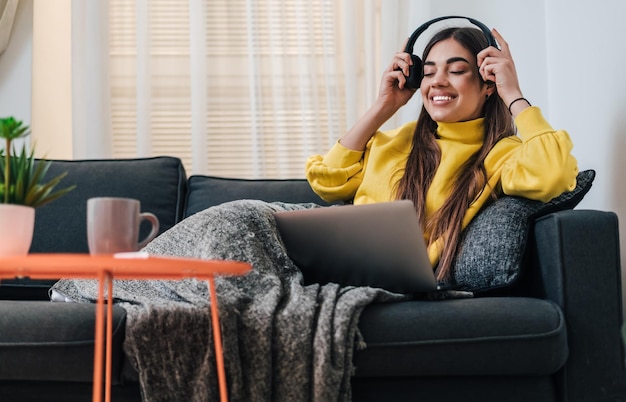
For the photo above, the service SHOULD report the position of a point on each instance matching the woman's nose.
(439, 79)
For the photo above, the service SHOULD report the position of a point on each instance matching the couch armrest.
(578, 255)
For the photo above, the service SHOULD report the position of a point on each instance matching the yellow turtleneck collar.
(465, 132)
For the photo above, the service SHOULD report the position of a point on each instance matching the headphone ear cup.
(416, 73)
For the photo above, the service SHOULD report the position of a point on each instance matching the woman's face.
(452, 90)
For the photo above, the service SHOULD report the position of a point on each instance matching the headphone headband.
(414, 79)
(413, 38)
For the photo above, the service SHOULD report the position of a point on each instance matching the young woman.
(463, 150)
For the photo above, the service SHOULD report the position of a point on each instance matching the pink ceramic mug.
(113, 225)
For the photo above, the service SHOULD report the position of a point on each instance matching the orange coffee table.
(124, 266)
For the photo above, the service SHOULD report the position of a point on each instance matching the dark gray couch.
(554, 335)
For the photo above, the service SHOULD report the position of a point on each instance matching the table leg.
(217, 340)
(99, 342)
(109, 337)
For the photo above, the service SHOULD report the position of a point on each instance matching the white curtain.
(238, 88)
(8, 8)
(91, 117)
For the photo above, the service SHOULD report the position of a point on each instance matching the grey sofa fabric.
(465, 337)
(53, 341)
(581, 272)
(207, 191)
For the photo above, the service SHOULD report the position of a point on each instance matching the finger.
(486, 53)
(483, 62)
(504, 46)
(485, 75)
(406, 41)
(399, 76)
(480, 57)
(396, 65)
(487, 70)
(404, 57)
(397, 79)
(402, 61)
(489, 75)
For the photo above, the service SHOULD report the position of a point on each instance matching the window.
(237, 88)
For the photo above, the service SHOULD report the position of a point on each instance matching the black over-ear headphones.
(416, 71)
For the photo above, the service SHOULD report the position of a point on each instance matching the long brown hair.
(471, 179)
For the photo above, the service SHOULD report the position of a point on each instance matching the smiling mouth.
(441, 98)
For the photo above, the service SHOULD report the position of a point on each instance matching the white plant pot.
(17, 223)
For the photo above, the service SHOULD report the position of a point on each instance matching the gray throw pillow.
(493, 244)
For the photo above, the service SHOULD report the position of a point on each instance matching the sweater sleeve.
(337, 175)
(541, 167)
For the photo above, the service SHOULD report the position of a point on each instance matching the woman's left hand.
(498, 67)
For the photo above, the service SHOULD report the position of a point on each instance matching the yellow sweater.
(537, 165)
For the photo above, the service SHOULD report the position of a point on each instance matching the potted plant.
(22, 189)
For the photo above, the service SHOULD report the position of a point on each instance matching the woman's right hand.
(393, 93)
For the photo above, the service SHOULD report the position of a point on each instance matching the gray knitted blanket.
(282, 341)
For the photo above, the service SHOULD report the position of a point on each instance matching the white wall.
(15, 66)
(587, 92)
(52, 79)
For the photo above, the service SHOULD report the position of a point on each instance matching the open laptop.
(379, 245)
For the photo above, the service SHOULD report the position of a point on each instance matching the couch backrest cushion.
(208, 191)
(158, 183)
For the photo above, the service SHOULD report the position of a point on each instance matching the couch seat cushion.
(46, 341)
(481, 336)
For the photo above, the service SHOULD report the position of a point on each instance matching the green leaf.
(11, 129)
(23, 177)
